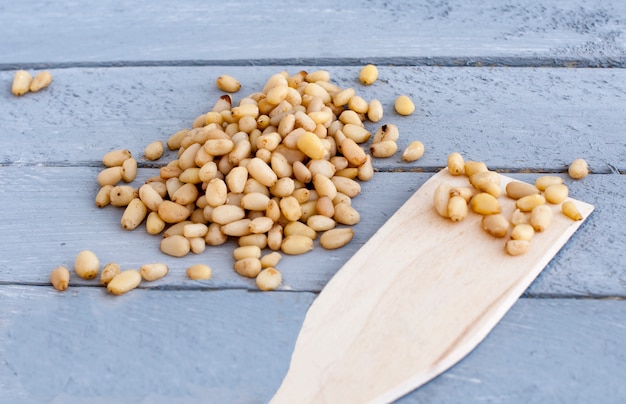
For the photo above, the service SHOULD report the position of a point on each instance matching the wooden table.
(526, 86)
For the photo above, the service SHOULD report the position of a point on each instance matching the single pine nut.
(154, 150)
(485, 204)
(176, 246)
(384, 149)
(171, 212)
(134, 214)
(154, 223)
(258, 240)
(358, 104)
(299, 228)
(517, 247)
(271, 259)
(60, 278)
(341, 98)
(86, 264)
(556, 193)
(186, 194)
(311, 145)
(150, 197)
(346, 214)
(219, 147)
(173, 143)
(324, 206)
(366, 170)
(41, 81)
(346, 186)
(368, 74)
(516, 190)
(519, 217)
(228, 84)
(441, 198)
(522, 232)
(197, 245)
(324, 186)
(578, 169)
(386, 132)
(336, 238)
(261, 225)
(375, 111)
(199, 272)
(250, 251)
(121, 195)
(21, 82)
(225, 214)
(356, 132)
(152, 272)
(486, 182)
(110, 176)
(129, 170)
(275, 237)
(414, 151)
(215, 236)
(541, 217)
(176, 229)
(545, 181)
(496, 225)
(260, 171)
(216, 192)
(268, 279)
(103, 197)
(248, 267)
(109, 272)
(296, 244)
(404, 105)
(528, 203)
(124, 282)
(570, 210)
(457, 208)
(195, 230)
(237, 228)
(116, 158)
(473, 167)
(353, 152)
(456, 164)
(466, 192)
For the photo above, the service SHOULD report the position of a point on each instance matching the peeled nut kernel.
(578, 169)
(248, 267)
(21, 82)
(134, 214)
(246, 252)
(228, 83)
(570, 210)
(103, 197)
(199, 272)
(541, 217)
(517, 247)
(404, 105)
(86, 264)
(456, 164)
(516, 189)
(485, 204)
(154, 224)
(110, 176)
(296, 244)
(271, 259)
(346, 214)
(545, 181)
(154, 150)
(466, 192)
(176, 246)
(497, 225)
(299, 228)
(413, 152)
(457, 208)
(556, 193)
(522, 232)
(384, 149)
(528, 203)
(152, 272)
(121, 195)
(171, 212)
(109, 272)
(519, 217)
(375, 111)
(60, 278)
(268, 279)
(386, 132)
(41, 81)
(473, 167)
(441, 198)
(124, 282)
(336, 238)
(368, 74)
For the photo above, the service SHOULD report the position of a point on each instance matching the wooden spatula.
(414, 300)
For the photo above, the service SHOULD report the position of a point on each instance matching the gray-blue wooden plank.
(450, 31)
(48, 216)
(235, 346)
(514, 118)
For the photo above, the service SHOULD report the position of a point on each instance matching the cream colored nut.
(134, 214)
(466, 192)
(195, 230)
(496, 225)
(299, 228)
(271, 259)
(517, 247)
(268, 279)
(277, 94)
(404, 105)
(116, 158)
(284, 187)
(225, 214)
(368, 74)
(570, 210)
(324, 206)
(154, 223)
(41, 81)
(176, 246)
(456, 163)
(342, 97)
(150, 197)
(103, 197)
(255, 201)
(386, 132)
(315, 90)
(228, 84)
(353, 152)
(484, 182)
(346, 186)
(318, 75)
(375, 111)
(236, 179)
(86, 264)
(186, 194)
(154, 150)
(358, 104)
(129, 170)
(260, 171)
(324, 186)
(336, 238)
(250, 251)
(473, 167)
(248, 267)
(60, 278)
(238, 228)
(348, 116)
(216, 192)
(296, 244)
(290, 208)
(516, 189)
(578, 169)
(556, 193)
(413, 152)
(366, 170)
(457, 208)
(197, 245)
(219, 147)
(224, 103)
(257, 240)
(485, 204)
(21, 82)
(346, 214)
(356, 132)
(384, 149)
(441, 198)
(215, 236)
(199, 272)
(311, 145)
(275, 237)
(522, 232)
(152, 272)
(321, 222)
(541, 217)
(110, 176)
(323, 167)
(121, 195)
(519, 217)
(171, 212)
(528, 203)
(124, 282)
(109, 271)
(176, 229)
(545, 181)
(261, 225)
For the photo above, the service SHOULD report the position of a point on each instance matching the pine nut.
(413, 152)
(153, 272)
(124, 282)
(570, 210)
(366, 170)
(116, 158)
(296, 244)
(150, 197)
(199, 272)
(103, 197)
(41, 81)
(86, 264)
(496, 225)
(375, 111)
(341, 98)
(248, 267)
(255, 201)
(176, 246)
(473, 167)
(60, 278)
(110, 176)
(246, 252)
(541, 217)
(456, 164)
(261, 225)
(268, 279)
(556, 193)
(154, 223)
(21, 82)
(195, 230)
(528, 203)
(466, 192)
(457, 208)
(258, 240)
(368, 74)
(134, 214)
(485, 204)
(197, 245)
(441, 199)
(271, 259)
(225, 214)
(237, 228)
(171, 212)
(311, 145)
(578, 169)
(346, 214)
(324, 206)
(404, 105)
(516, 190)
(215, 236)
(384, 149)
(356, 132)
(154, 150)
(545, 181)
(275, 237)
(299, 228)
(228, 84)
(519, 217)
(260, 171)
(522, 232)
(121, 195)
(336, 238)
(517, 247)
(109, 272)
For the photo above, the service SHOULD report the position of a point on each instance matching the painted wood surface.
(450, 32)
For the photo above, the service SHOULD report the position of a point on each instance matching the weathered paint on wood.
(516, 119)
(452, 32)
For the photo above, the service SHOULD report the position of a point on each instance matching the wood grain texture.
(449, 32)
(516, 119)
(233, 346)
(49, 216)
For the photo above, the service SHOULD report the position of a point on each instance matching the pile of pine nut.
(273, 170)
(532, 214)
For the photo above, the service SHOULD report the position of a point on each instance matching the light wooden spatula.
(414, 300)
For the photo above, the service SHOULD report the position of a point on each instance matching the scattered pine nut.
(578, 169)
(60, 278)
